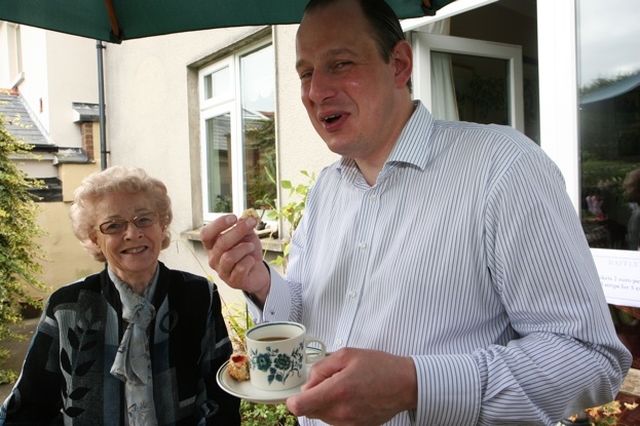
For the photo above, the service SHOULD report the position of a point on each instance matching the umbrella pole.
(103, 132)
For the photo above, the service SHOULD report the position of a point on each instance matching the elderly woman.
(138, 344)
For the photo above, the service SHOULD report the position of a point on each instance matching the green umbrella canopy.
(118, 20)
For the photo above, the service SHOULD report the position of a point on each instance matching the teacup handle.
(316, 356)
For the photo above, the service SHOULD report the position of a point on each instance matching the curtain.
(443, 91)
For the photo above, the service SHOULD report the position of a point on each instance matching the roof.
(85, 112)
(19, 122)
(616, 89)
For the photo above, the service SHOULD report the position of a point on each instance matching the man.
(442, 262)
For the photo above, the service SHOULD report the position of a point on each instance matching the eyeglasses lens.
(119, 226)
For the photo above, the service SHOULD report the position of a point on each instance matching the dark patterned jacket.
(65, 377)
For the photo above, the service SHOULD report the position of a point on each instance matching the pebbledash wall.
(153, 121)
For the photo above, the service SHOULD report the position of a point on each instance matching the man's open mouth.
(332, 118)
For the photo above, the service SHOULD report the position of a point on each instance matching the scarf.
(132, 364)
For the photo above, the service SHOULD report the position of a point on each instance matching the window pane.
(218, 139)
(609, 114)
(217, 84)
(257, 71)
(609, 87)
(481, 87)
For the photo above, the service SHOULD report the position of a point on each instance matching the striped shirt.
(468, 256)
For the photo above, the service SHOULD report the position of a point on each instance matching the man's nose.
(321, 87)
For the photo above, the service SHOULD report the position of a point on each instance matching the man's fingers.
(209, 234)
(234, 260)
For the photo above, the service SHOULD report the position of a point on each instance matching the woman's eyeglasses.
(119, 226)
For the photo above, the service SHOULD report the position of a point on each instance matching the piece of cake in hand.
(239, 366)
(250, 213)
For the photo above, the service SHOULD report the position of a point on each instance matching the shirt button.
(362, 245)
(339, 343)
(352, 294)
(373, 197)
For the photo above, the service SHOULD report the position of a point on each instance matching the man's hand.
(235, 253)
(357, 387)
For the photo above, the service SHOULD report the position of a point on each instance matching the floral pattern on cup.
(280, 366)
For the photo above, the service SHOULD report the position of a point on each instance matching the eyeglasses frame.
(127, 222)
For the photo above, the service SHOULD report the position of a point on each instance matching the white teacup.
(278, 354)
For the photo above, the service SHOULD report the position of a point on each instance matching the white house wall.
(300, 147)
(58, 70)
(72, 77)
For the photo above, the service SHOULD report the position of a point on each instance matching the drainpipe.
(103, 132)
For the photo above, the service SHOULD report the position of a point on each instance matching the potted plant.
(609, 414)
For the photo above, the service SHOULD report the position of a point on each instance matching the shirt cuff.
(449, 389)
(277, 306)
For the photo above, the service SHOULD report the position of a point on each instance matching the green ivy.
(266, 415)
(292, 213)
(19, 253)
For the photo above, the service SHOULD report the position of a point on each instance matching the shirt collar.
(411, 146)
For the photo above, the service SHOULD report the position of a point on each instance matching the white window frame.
(11, 55)
(425, 43)
(213, 107)
(227, 62)
(558, 75)
(558, 71)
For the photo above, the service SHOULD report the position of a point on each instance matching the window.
(609, 123)
(237, 122)
(609, 148)
(11, 54)
(484, 79)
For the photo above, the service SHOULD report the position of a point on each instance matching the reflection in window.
(482, 88)
(609, 87)
(258, 104)
(609, 114)
(238, 133)
(217, 84)
(218, 138)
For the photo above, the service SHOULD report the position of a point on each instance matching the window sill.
(268, 244)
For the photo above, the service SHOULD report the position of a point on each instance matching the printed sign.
(620, 275)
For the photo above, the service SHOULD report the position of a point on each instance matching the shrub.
(19, 252)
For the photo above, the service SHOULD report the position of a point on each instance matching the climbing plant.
(19, 251)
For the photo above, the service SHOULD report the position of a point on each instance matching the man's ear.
(402, 57)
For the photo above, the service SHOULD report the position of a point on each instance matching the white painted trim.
(425, 43)
(557, 46)
(455, 8)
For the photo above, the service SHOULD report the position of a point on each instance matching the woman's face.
(133, 253)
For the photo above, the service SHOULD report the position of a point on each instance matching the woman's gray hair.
(116, 179)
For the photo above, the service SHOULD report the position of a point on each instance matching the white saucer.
(245, 390)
